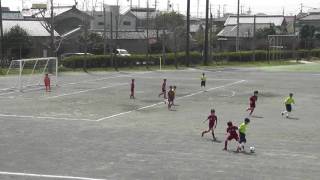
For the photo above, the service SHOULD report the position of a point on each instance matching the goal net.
(30, 73)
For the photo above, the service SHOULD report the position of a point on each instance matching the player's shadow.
(241, 152)
(257, 117)
(293, 118)
(213, 141)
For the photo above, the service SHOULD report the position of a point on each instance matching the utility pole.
(206, 40)
(104, 30)
(211, 33)
(148, 45)
(238, 28)
(1, 38)
(53, 53)
(155, 4)
(254, 37)
(117, 23)
(188, 35)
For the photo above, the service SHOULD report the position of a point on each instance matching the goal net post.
(30, 73)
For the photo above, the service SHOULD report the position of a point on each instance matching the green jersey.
(203, 78)
(289, 100)
(243, 128)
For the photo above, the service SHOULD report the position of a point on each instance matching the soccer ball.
(252, 149)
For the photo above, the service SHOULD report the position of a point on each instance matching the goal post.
(28, 73)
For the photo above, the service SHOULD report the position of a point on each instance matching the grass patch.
(252, 64)
(295, 68)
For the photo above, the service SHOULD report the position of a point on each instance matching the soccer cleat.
(282, 113)
(224, 149)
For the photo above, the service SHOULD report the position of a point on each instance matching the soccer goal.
(29, 73)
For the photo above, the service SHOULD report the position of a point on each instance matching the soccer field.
(87, 128)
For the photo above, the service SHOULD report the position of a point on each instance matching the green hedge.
(195, 58)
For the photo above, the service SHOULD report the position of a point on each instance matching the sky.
(275, 7)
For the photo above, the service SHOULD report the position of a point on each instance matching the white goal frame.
(21, 63)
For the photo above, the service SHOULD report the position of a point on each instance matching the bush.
(180, 58)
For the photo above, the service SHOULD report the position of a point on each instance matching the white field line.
(84, 91)
(80, 82)
(159, 103)
(208, 79)
(46, 176)
(43, 117)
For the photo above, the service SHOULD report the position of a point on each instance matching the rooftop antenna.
(224, 9)
(198, 6)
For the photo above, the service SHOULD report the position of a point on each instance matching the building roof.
(141, 13)
(276, 20)
(314, 11)
(32, 27)
(12, 15)
(245, 30)
(311, 17)
(132, 35)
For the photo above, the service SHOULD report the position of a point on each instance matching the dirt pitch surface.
(89, 129)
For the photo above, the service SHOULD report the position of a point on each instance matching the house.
(227, 36)
(39, 35)
(133, 41)
(311, 19)
(102, 18)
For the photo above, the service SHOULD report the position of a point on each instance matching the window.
(100, 23)
(127, 23)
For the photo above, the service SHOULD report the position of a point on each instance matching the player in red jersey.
(47, 83)
(213, 121)
(163, 90)
(253, 100)
(232, 134)
(170, 97)
(132, 89)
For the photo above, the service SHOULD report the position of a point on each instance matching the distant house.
(312, 18)
(71, 19)
(227, 36)
(39, 35)
(12, 15)
(133, 41)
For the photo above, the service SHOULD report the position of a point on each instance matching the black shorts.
(288, 107)
(203, 83)
(242, 138)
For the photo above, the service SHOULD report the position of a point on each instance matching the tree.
(175, 24)
(307, 33)
(263, 33)
(17, 42)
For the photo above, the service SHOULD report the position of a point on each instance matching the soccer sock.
(225, 144)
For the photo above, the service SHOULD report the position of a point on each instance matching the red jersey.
(232, 130)
(253, 99)
(171, 95)
(212, 120)
(47, 81)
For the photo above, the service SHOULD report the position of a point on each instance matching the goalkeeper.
(47, 83)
